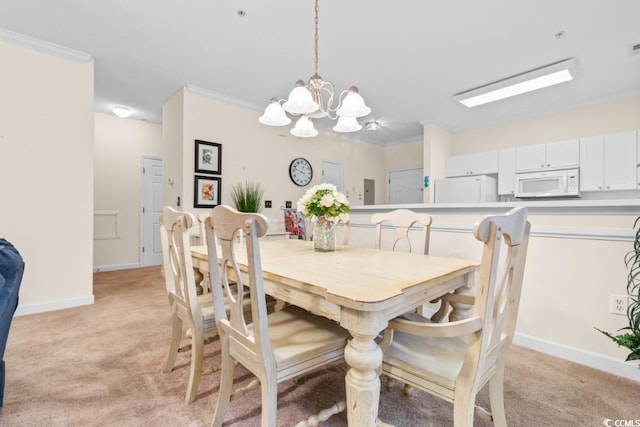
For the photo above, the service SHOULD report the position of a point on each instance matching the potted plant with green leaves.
(247, 196)
(630, 338)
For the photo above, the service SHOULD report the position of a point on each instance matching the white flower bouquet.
(323, 201)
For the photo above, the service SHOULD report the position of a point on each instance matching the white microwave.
(548, 183)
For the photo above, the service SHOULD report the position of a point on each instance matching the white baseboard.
(54, 305)
(115, 267)
(601, 362)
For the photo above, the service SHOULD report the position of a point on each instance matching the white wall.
(403, 156)
(437, 146)
(172, 130)
(46, 174)
(611, 117)
(119, 146)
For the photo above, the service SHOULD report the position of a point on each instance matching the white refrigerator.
(466, 189)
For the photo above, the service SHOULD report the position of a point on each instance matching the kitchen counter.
(547, 206)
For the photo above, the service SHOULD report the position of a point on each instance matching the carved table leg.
(198, 278)
(461, 310)
(364, 357)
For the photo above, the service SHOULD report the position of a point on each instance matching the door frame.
(141, 205)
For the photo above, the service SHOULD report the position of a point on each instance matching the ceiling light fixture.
(315, 99)
(372, 125)
(549, 75)
(122, 112)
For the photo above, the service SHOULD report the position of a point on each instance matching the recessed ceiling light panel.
(549, 75)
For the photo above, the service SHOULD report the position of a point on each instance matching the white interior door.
(332, 173)
(151, 249)
(406, 186)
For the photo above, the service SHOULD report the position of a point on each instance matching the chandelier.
(315, 99)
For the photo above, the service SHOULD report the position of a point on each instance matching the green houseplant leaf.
(631, 338)
(247, 196)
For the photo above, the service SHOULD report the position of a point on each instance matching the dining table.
(361, 289)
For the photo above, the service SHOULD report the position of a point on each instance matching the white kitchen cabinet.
(592, 163)
(506, 171)
(619, 169)
(552, 155)
(484, 163)
(609, 162)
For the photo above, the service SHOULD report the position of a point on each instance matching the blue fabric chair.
(11, 270)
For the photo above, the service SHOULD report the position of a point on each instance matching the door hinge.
(143, 209)
(143, 249)
(144, 170)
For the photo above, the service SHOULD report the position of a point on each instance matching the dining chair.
(196, 311)
(454, 360)
(402, 220)
(202, 216)
(345, 220)
(277, 346)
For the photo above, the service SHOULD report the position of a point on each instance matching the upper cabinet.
(546, 156)
(609, 162)
(507, 171)
(484, 163)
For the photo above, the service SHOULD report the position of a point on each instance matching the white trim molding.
(115, 267)
(23, 310)
(105, 225)
(44, 46)
(593, 360)
(219, 97)
(552, 232)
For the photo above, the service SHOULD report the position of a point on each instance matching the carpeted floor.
(101, 365)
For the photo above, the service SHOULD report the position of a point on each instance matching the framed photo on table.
(208, 157)
(206, 191)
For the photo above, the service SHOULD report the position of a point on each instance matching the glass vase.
(324, 235)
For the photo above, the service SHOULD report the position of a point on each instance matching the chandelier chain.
(315, 59)
(315, 99)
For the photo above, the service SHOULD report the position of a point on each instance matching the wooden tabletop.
(352, 276)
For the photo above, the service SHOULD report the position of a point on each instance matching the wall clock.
(300, 171)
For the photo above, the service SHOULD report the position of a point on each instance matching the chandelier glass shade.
(316, 99)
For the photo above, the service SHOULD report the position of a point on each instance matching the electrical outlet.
(618, 304)
(267, 203)
(287, 204)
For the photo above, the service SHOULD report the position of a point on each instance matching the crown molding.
(44, 46)
(219, 97)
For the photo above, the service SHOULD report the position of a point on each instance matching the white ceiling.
(407, 58)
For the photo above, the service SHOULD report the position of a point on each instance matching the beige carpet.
(102, 365)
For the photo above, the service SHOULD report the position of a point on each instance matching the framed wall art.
(206, 191)
(208, 157)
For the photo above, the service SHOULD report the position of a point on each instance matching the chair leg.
(197, 351)
(269, 390)
(226, 382)
(441, 313)
(176, 336)
(496, 397)
(464, 408)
